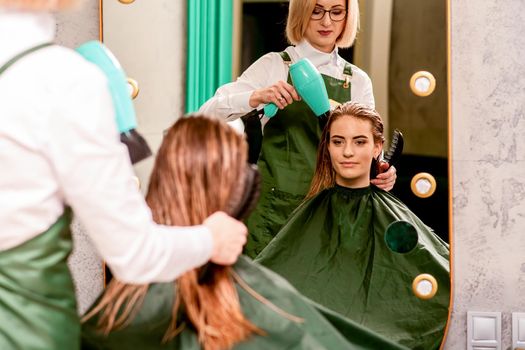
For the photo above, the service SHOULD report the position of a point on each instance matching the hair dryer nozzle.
(138, 148)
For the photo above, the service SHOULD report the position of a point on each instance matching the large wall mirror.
(402, 44)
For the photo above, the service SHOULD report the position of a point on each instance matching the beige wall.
(150, 25)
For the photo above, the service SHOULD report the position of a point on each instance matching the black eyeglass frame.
(329, 14)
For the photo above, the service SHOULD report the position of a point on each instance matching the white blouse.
(59, 145)
(232, 100)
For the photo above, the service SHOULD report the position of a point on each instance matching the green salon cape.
(37, 296)
(321, 328)
(333, 250)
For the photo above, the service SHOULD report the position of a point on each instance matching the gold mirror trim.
(135, 88)
(428, 278)
(426, 75)
(126, 2)
(423, 176)
(450, 177)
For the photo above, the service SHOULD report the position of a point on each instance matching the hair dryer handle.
(270, 110)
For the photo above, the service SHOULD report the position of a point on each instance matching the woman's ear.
(378, 147)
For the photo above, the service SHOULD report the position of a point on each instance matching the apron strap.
(347, 73)
(22, 54)
(286, 58)
(253, 126)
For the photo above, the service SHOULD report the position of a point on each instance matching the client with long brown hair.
(201, 168)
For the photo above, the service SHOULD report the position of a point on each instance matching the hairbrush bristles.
(393, 154)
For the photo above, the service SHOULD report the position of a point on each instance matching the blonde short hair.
(37, 5)
(299, 13)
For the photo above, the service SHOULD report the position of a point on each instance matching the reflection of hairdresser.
(59, 148)
(201, 168)
(317, 28)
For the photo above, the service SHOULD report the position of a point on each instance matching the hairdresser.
(60, 154)
(316, 28)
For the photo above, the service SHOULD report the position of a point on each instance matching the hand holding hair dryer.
(309, 84)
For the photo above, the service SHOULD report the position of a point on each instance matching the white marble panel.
(488, 143)
(75, 27)
(488, 84)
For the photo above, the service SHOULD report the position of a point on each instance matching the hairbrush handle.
(391, 157)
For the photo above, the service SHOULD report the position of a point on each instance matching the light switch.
(483, 330)
(518, 330)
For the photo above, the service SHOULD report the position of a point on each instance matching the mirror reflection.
(389, 52)
(375, 71)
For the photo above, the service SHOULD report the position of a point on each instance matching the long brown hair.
(324, 175)
(200, 167)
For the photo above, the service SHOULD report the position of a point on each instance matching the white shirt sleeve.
(95, 177)
(362, 90)
(232, 100)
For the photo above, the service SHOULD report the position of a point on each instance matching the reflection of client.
(201, 168)
(357, 249)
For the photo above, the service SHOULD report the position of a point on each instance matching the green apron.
(37, 297)
(335, 250)
(321, 328)
(287, 163)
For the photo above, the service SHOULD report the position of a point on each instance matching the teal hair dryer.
(95, 52)
(309, 84)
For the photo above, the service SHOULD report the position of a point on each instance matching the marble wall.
(488, 144)
(488, 129)
(75, 27)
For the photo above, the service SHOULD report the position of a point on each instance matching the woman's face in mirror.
(351, 148)
(325, 27)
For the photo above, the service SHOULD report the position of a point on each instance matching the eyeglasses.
(336, 14)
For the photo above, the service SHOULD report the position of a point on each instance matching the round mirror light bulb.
(423, 185)
(422, 83)
(424, 286)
